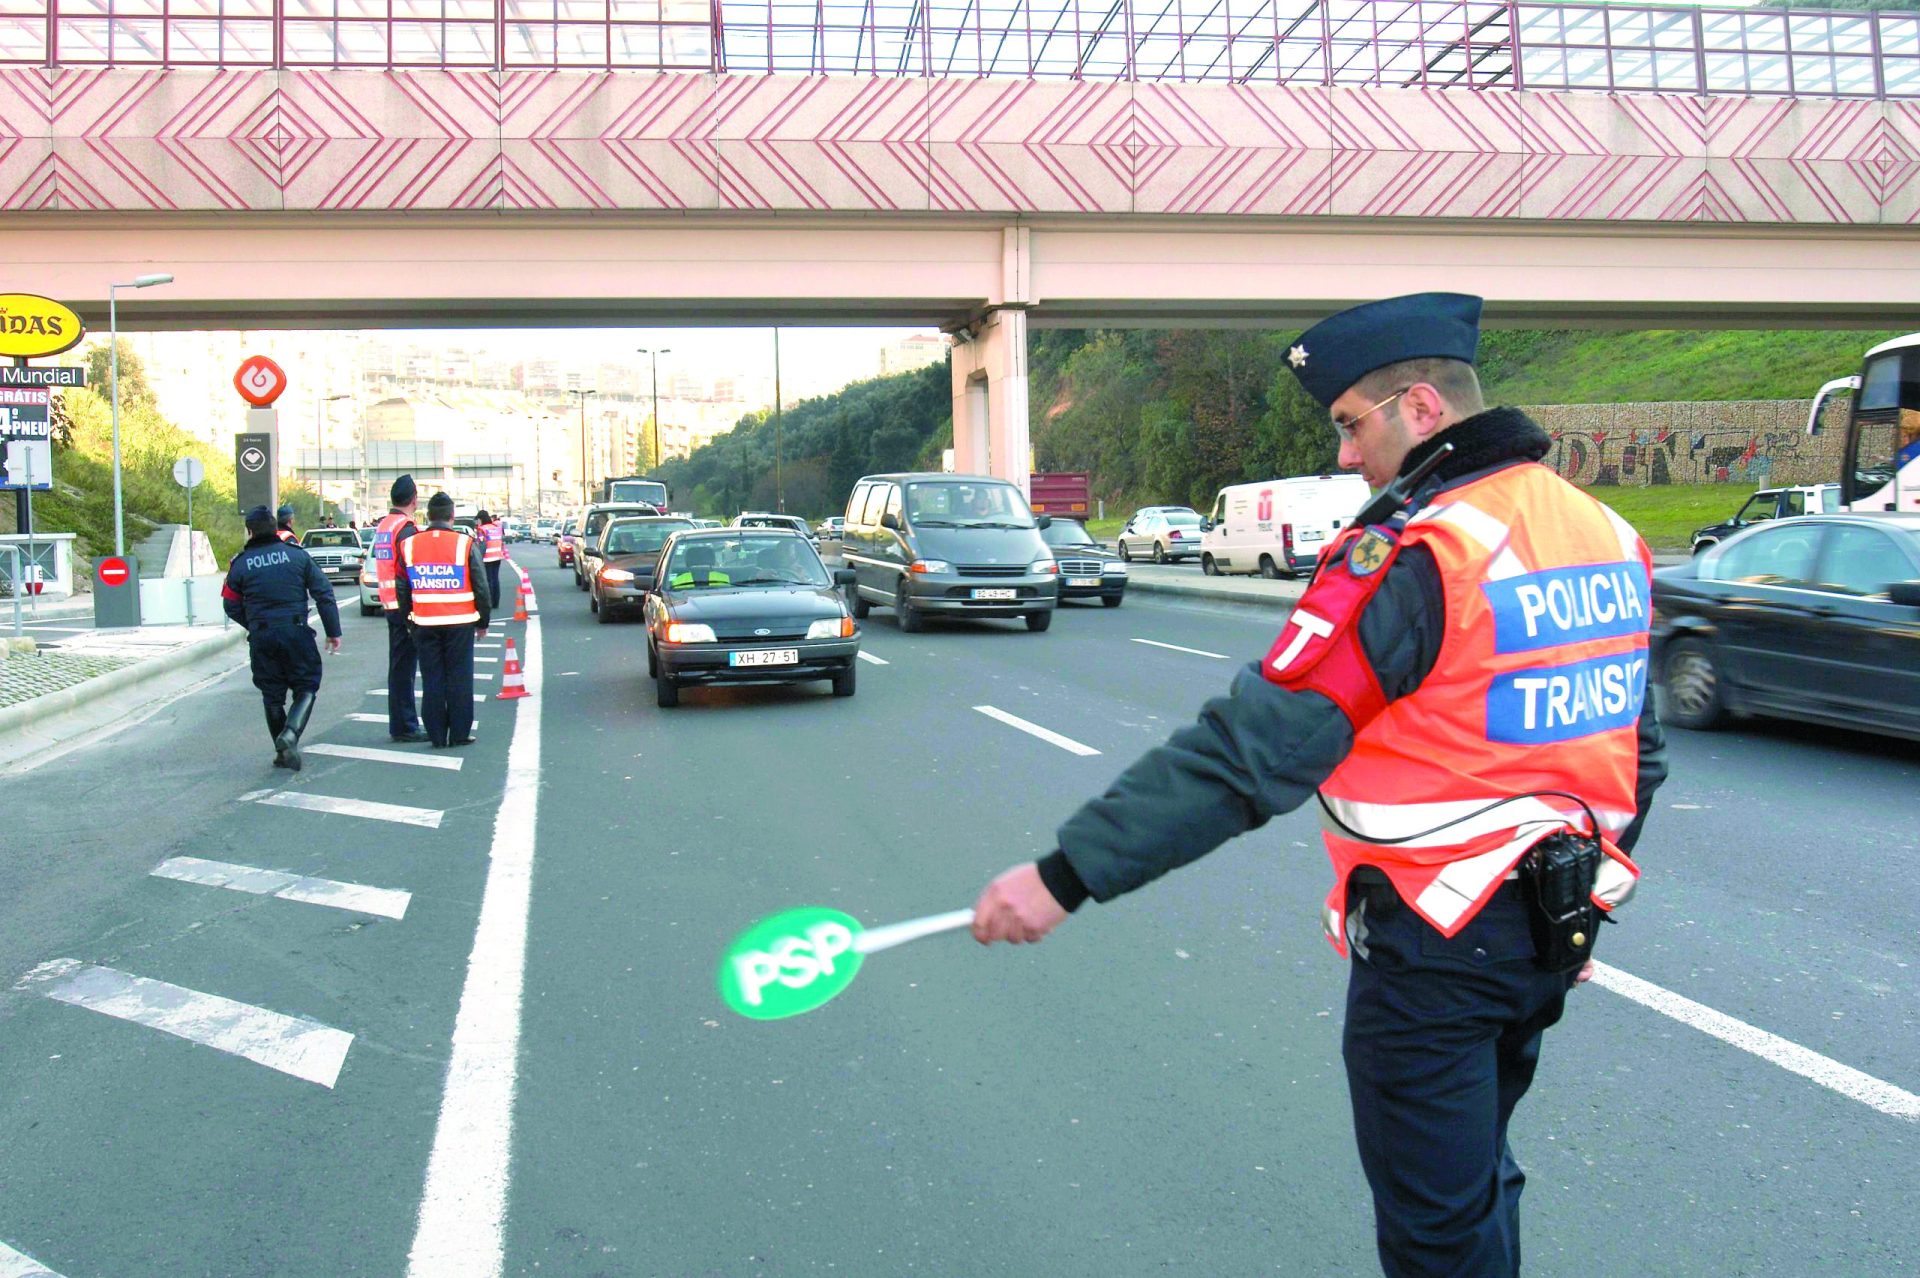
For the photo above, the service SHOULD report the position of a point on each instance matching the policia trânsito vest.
(439, 577)
(494, 542)
(1538, 687)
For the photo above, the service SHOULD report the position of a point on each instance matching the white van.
(1278, 527)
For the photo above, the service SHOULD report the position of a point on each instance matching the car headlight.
(1116, 568)
(831, 628)
(615, 574)
(368, 577)
(929, 565)
(1043, 566)
(689, 632)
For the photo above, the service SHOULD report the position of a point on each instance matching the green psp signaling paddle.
(794, 961)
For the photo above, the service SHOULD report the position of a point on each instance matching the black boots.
(288, 738)
(276, 724)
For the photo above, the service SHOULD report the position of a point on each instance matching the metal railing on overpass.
(1473, 44)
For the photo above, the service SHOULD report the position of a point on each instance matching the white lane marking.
(15, 1265)
(482, 675)
(381, 692)
(407, 758)
(489, 661)
(461, 1231)
(870, 659)
(290, 1044)
(1809, 1064)
(1034, 729)
(357, 717)
(388, 903)
(1174, 647)
(400, 813)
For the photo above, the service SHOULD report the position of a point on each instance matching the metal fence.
(1431, 43)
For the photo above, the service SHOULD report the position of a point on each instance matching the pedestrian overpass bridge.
(982, 166)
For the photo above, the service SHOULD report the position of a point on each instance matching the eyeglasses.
(1345, 426)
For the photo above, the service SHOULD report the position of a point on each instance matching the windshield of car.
(331, 537)
(1759, 506)
(642, 537)
(960, 504)
(745, 559)
(1066, 532)
(771, 521)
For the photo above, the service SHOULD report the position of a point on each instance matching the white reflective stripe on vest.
(1469, 519)
(1431, 825)
(1461, 883)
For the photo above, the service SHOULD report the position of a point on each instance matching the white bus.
(1880, 456)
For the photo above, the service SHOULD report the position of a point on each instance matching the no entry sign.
(112, 571)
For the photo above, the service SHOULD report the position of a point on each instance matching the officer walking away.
(1464, 684)
(268, 584)
(440, 567)
(494, 534)
(389, 534)
(285, 530)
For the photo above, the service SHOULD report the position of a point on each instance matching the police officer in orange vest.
(493, 550)
(1464, 685)
(389, 534)
(285, 531)
(440, 568)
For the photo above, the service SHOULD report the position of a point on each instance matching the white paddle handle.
(875, 939)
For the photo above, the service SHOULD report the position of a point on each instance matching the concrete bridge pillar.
(990, 399)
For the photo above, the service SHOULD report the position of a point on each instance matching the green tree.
(135, 390)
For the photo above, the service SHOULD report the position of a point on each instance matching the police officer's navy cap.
(404, 490)
(259, 514)
(285, 512)
(1341, 349)
(440, 501)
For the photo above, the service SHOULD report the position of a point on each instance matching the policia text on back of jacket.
(1464, 685)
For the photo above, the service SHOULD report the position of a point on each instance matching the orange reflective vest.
(385, 559)
(438, 576)
(494, 545)
(286, 535)
(1538, 687)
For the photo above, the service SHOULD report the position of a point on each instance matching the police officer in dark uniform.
(267, 588)
(1483, 760)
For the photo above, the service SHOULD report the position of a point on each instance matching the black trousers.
(402, 716)
(493, 583)
(1442, 1038)
(285, 659)
(446, 681)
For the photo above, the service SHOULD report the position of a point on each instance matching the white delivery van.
(1278, 527)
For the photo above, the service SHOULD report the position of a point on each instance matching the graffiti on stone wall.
(1750, 444)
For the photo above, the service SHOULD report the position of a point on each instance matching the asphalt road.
(1156, 1088)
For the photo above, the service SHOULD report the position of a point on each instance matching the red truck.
(1066, 492)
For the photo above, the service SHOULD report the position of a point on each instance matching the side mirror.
(890, 520)
(1043, 521)
(844, 576)
(1905, 593)
(1206, 525)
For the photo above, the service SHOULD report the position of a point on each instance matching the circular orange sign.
(259, 381)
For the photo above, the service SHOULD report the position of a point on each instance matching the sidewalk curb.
(1212, 594)
(15, 717)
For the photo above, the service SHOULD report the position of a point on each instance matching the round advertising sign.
(252, 460)
(32, 326)
(259, 380)
(112, 571)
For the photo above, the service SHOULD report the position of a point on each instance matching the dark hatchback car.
(747, 605)
(1815, 619)
(1088, 570)
(629, 549)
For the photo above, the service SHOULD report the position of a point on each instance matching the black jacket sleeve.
(477, 574)
(1652, 770)
(321, 591)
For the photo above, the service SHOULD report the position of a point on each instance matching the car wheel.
(593, 602)
(860, 606)
(365, 611)
(579, 582)
(1692, 684)
(1126, 556)
(653, 662)
(843, 683)
(908, 616)
(1269, 569)
(1110, 601)
(1039, 621)
(1159, 552)
(606, 615)
(665, 691)
(1208, 567)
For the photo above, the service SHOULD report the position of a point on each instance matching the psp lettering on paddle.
(793, 961)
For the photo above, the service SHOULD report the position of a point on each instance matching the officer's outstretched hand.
(1016, 907)
(333, 643)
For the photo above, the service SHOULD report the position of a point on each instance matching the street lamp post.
(319, 447)
(779, 492)
(586, 498)
(653, 358)
(113, 356)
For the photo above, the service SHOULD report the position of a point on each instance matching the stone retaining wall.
(1752, 443)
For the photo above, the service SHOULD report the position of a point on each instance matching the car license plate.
(765, 657)
(996, 594)
(1083, 581)
(1311, 536)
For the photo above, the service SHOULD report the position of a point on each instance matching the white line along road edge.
(1827, 1072)
(1033, 729)
(1174, 647)
(15, 1265)
(461, 1233)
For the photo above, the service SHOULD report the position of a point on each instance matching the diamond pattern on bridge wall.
(243, 139)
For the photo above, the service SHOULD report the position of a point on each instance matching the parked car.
(747, 605)
(1816, 619)
(369, 587)
(627, 553)
(1165, 536)
(564, 539)
(1088, 570)
(586, 543)
(1278, 527)
(338, 551)
(1770, 503)
(929, 544)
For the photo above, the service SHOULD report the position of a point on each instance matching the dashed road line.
(290, 1044)
(870, 659)
(1174, 647)
(359, 717)
(388, 903)
(1809, 1064)
(370, 754)
(381, 692)
(489, 661)
(482, 676)
(1033, 729)
(13, 1264)
(367, 808)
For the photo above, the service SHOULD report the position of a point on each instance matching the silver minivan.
(948, 545)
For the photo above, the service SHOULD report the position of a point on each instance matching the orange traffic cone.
(533, 600)
(513, 684)
(520, 604)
